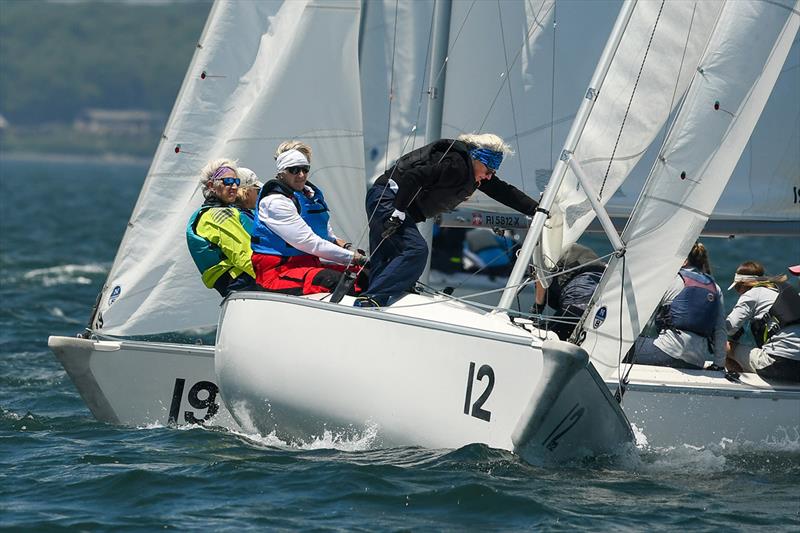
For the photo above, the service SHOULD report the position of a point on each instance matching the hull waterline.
(423, 372)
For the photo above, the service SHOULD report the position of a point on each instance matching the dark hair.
(698, 258)
(753, 268)
(750, 268)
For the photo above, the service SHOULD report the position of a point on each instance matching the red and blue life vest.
(695, 308)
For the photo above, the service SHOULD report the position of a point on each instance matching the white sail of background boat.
(239, 99)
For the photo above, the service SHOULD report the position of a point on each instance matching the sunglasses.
(230, 181)
(298, 170)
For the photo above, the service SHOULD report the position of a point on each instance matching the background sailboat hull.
(144, 383)
(423, 372)
(695, 407)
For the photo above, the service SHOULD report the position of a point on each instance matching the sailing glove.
(360, 259)
(392, 225)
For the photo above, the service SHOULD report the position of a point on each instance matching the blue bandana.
(490, 158)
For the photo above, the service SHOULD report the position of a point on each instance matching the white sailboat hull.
(694, 407)
(134, 383)
(300, 367)
(144, 383)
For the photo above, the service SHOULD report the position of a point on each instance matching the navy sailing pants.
(396, 263)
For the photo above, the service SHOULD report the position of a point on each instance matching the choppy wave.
(64, 274)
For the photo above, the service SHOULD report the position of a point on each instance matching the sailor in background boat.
(772, 307)
(690, 320)
(247, 197)
(422, 184)
(216, 234)
(578, 273)
(293, 234)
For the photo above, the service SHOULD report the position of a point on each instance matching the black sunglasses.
(298, 170)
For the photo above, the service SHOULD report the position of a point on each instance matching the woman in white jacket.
(772, 308)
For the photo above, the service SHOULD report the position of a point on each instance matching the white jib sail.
(263, 72)
(647, 77)
(726, 97)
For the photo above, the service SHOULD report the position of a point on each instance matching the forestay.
(726, 97)
(263, 72)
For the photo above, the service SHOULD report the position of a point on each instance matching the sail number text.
(476, 408)
(207, 402)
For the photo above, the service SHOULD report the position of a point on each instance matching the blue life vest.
(314, 211)
(695, 308)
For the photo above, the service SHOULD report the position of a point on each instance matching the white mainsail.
(254, 81)
(733, 81)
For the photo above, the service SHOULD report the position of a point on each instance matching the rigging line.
(411, 134)
(422, 91)
(630, 101)
(553, 86)
(391, 90)
(528, 34)
(453, 46)
(510, 93)
(620, 388)
(487, 265)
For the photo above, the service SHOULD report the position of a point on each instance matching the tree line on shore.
(58, 59)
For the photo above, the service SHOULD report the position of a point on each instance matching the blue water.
(60, 224)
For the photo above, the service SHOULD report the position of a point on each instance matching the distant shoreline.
(74, 158)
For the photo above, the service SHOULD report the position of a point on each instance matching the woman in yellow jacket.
(216, 236)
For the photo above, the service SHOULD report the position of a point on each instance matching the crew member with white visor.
(293, 236)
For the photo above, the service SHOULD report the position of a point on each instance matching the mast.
(556, 178)
(438, 69)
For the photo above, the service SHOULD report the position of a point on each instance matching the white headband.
(291, 158)
(738, 278)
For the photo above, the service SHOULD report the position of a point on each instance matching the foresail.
(726, 97)
(648, 74)
(263, 72)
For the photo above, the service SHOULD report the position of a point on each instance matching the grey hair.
(487, 140)
(207, 172)
(300, 146)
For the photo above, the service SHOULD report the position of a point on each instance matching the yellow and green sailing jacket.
(219, 243)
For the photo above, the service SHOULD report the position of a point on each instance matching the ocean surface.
(61, 469)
